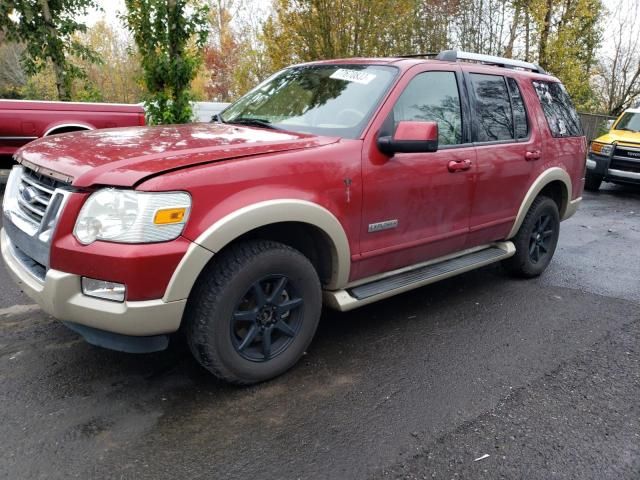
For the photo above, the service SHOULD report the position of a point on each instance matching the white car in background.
(203, 111)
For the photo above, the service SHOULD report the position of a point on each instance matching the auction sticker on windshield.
(356, 76)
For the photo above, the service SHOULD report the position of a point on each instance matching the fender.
(545, 178)
(79, 126)
(236, 224)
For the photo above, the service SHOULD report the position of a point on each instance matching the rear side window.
(519, 112)
(557, 107)
(493, 108)
(433, 96)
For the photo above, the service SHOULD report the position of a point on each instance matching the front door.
(416, 205)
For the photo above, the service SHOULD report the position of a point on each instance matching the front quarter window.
(336, 100)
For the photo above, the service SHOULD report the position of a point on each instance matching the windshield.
(629, 121)
(334, 100)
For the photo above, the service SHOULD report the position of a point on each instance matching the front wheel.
(536, 239)
(254, 312)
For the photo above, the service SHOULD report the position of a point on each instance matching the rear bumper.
(60, 295)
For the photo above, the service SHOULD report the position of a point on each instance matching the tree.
(302, 30)
(47, 29)
(224, 50)
(170, 35)
(118, 78)
(569, 37)
(618, 78)
(12, 75)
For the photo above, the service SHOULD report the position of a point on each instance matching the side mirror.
(411, 137)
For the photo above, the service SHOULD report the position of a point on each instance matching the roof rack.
(456, 55)
(420, 55)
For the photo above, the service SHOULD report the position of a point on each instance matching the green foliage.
(301, 30)
(47, 28)
(170, 35)
(570, 34)
(562, 35)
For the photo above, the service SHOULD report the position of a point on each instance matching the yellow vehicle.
(615, 156)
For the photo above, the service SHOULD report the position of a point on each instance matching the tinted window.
(561, 116)
(433, 96)
(493, 108)
(519, 112)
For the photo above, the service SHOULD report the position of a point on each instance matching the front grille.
(34, 194)
(31, 207)
(626, 165)
(626, 157)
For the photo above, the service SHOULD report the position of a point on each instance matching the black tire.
(592, 182)
(536, 239)
(237, 311)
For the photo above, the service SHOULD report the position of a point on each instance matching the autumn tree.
(46, 28)
(118, 78)
(569, 36)
(170, 35)
(320, 29)
(12, 75)
(224, 50)
(618, 78)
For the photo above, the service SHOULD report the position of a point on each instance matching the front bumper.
(60, 295)
(602, 165)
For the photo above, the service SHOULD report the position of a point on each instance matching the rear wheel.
(254, 312)
(536, 239)
(592, 182)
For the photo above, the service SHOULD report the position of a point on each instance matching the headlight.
(127, 216)
(601, 148)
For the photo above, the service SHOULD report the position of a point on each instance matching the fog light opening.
(103, 289)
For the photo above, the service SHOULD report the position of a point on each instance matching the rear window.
(557, 107)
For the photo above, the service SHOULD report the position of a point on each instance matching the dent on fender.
(248, 218)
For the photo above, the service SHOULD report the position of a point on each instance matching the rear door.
(507, 146)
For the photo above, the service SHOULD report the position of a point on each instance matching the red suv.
(338, 182)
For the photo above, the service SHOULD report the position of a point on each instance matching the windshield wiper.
(253, 122)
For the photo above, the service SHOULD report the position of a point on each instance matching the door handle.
(532, 155)
(459, 165)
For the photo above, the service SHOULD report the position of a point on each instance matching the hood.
(620, 136)
(125, 156)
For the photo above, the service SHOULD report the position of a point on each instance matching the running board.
(392, 283)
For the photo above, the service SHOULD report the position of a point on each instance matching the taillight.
(141, 120)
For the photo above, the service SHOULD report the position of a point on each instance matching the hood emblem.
(30, 195)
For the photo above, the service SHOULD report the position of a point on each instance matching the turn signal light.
(169, 216)
(601, 148)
